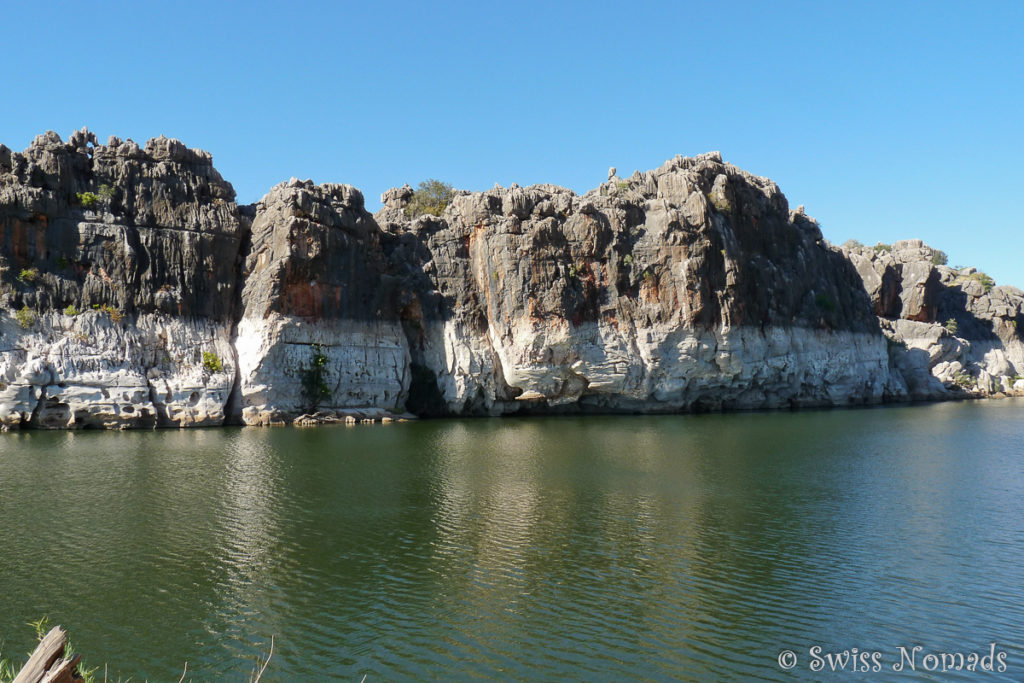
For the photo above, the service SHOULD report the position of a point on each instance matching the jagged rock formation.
(951, 331)
(689, 287)
(118, 272)
(318, 332)
(136, 293)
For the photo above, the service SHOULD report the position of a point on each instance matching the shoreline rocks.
(952, 332)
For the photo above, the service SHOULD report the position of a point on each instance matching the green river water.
(600, 548)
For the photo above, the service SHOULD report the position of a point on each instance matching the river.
(694, 547)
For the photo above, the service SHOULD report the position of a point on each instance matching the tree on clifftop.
(431, 197)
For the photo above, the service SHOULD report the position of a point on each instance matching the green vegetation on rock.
(26, 317)
(212, 362)
(963, 380)
(951, 326)
(987, 283)
(28, 275)
(114, 314)
(431, 198)
(314, 378)
(87, 199)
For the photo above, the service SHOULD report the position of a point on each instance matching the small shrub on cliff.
(951, 326)
(87, 199)
(71, 311)
(987, 283)
(432, 197)
(26, 317)
(314, 378)
(106, 191)
(963, 380)
(28, 275)
(114, 314)
(882, 248)
(212, 362)
(939, 258)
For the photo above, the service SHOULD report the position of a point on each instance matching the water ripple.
(674, 548)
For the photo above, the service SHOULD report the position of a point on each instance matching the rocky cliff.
(118, 273)
(319, 331)
(951, 331)
(136, 293)
(692, 286)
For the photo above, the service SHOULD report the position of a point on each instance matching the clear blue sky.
(888, 120)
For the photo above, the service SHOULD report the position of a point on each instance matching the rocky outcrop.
(136, 293)
(952, 331)
(688, 287)
(119, 283)
(318, 334)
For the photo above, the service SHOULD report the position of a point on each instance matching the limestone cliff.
(318, 333)
(136, 293)
(689, 287)
(117, 270)
(952, 331)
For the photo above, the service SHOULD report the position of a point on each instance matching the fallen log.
(47, 664)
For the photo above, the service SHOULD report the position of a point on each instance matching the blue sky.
(888, 120)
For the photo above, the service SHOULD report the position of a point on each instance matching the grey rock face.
(319, 329)
(951, 332)
(139, 230)
(136, 293)
(121, 263)
(687, 287)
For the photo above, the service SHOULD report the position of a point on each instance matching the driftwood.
(47, 663)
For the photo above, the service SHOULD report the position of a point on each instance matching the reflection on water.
(637, 548)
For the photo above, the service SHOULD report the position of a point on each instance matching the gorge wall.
(135, 292)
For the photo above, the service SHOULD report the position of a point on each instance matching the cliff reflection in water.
(646, 548)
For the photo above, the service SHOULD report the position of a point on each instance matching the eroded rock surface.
(118, 272)
(951, 331)
(319, 331)
(136, 293)
(692, 286)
